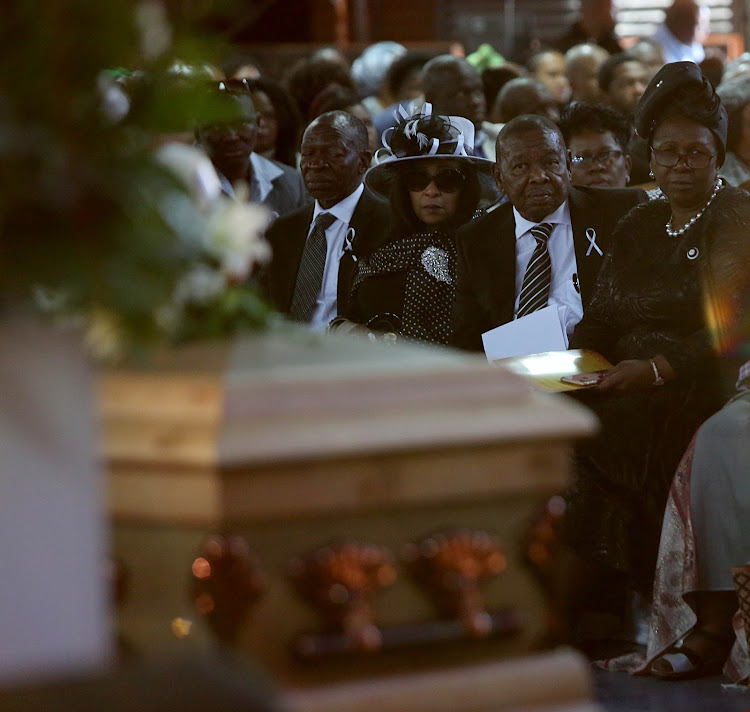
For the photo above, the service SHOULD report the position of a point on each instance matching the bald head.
(454, 88)
(582, 64)
(525, 96)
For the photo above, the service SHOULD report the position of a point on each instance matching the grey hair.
(526, 123)
(345, 123)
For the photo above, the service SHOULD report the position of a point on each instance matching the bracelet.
(658, 380)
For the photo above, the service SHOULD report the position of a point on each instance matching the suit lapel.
(365, 226)
(502, 262)
(586, 222)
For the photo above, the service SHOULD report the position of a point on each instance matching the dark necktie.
(310, 274)
(538, 277)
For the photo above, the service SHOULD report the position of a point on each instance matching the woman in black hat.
(674, 274)
(431, 177)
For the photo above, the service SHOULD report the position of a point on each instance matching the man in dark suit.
(315, 248)
(546, 224)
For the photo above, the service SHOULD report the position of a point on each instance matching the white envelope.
(541, 330)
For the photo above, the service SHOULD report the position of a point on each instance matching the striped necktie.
(310, 274)
(538, 277)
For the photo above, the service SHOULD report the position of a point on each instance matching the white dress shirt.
(326, 306)
(564, 290)
(264, 173)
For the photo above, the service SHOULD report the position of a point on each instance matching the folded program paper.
(539, 331)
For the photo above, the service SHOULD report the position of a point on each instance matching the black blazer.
(487, 258)
(287, 237)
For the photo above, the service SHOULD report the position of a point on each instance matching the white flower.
(234, 235)
(178, 211)
(200, 285)
(114, 102)
(194, 170)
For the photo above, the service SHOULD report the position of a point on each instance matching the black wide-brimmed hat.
(421, 136)
(671, 82)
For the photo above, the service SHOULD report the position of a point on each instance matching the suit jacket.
(287, 191)
(487, 258)
(287, 237)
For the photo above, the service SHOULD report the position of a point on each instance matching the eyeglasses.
(448, 180)
(693, 159)
(217, 131)
(605, 158)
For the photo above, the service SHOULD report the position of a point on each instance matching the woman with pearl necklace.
(672, 282)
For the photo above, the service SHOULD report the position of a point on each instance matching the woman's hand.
(341, 325)
(626, 376)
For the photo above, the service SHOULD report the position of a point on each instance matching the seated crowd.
(438, 203)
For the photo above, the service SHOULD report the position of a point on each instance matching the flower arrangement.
(93, 225)
(211, 299)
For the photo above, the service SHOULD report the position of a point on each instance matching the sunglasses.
(447, 180)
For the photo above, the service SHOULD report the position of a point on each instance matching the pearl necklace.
(689, 223)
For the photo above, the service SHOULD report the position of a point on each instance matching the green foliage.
(239, 308)
(84, 209)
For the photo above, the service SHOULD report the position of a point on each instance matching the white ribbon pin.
(591, 237)
(348, 240)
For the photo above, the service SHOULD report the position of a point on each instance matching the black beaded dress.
(408, 286)
(655, 294)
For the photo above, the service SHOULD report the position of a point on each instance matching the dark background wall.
(508, 25)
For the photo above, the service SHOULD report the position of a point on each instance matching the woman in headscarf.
(430, 175)
(674, 276)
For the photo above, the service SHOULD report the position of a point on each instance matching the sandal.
(683, 663)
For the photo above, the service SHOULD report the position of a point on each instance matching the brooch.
(435, 262)
(693, 253)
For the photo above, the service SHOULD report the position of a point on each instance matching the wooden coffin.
(290, 444)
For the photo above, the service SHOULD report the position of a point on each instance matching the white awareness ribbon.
(591, 237)
(348, 243)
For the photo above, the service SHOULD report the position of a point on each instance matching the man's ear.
(498, 176)
(568, 160)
